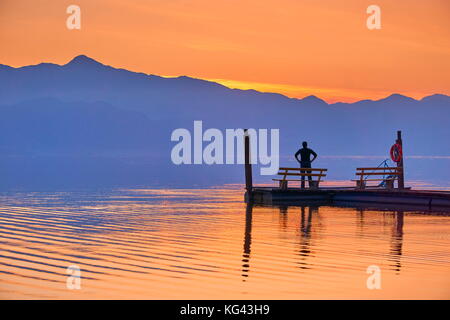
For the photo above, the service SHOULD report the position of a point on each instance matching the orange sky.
(295, 47)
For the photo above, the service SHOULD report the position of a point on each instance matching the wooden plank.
(298, 169)
(377, 173)
(302, 174)
(373, 179)
(379, 168)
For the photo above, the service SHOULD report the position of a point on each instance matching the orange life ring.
(396, 152)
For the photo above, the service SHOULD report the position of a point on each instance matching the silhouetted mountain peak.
(313, 99)
(436, 98)
(396, 97)
(83, 60)
(5, 67)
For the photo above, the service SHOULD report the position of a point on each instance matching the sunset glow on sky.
(294, 47)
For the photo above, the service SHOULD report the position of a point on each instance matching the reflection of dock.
(310, 229)
(424, 198)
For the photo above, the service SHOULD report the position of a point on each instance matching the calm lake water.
(208, 244)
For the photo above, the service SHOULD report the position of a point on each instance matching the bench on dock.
(286, 173)
(388, 176)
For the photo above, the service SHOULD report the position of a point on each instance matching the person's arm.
(314, 154)
(296, 155)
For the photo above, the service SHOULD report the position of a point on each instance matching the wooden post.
(401, 177)
(248, 165)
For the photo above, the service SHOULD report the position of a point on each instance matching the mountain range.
(88, 124)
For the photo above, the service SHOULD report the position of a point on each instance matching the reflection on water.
(247, 241)
(209, 244)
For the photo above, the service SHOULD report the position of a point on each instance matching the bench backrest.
(298, 169)
(307, 172)
(379, 171)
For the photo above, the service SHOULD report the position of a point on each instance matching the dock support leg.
(360, 184)
(401, 177)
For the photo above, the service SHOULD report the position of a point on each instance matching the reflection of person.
(305, 160)
(306, 233)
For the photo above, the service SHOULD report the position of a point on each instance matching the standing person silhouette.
(305, 160)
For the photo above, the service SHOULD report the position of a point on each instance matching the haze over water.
(208, 244)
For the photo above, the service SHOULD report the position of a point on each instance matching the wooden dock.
(275, 195)
(361, 193)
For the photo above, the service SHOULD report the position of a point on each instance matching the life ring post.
(401, 177)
